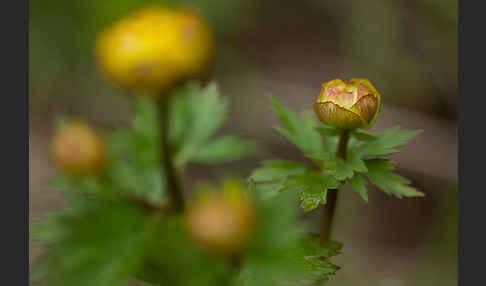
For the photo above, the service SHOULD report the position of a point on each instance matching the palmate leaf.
(96, 243)
(312, 187)
(195, 116)
(380, 174)
(300, 131)
(134, 154)
(385, 143)
(173, 252)
(272, 176)
(224, 148)
(358, 184)
(339, 168)
(314, 254)
(267, 260)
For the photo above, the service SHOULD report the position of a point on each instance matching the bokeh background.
(407, 48)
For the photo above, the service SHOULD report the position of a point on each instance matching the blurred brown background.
(407, 48)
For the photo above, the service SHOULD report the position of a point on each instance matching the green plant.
(129, 216)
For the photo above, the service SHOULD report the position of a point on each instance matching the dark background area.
(408, 49)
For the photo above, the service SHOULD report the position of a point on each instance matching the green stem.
(332, 194)
(166, 156)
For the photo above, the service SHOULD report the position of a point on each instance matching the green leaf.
(363, 136)
(300, 131)
(345, 169)
(225, 148)
(328, 130)
(102, 243)
(314, 254)
(172, 251)
(134, 165)
(272, 176)
(197, 115)
(379, 173)
(386, 142)
(312, 187)
(358, 184)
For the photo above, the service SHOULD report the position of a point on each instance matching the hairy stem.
(166, 156)
(331, 200)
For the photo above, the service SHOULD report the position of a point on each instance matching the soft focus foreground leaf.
(224, 148)
(380, 174)
(175, 260)
(96, 243)
(134, 162)
(300, 131)
(386, 142)
(195, 116)
(267, 260)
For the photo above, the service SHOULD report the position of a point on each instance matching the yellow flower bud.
(154, 48)
(77, 149)
(348, 104)
(222, 224)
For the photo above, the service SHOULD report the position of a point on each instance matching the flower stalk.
(330, 207)
(166, 157)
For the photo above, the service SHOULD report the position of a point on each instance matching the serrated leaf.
(225, 148)
(358, 184)
(379, 173)
(312, 188)
(134, 165)
(314, 254)
(345, 168)
(299, 131)
(386, 142)
(273, 170)
(102, 244)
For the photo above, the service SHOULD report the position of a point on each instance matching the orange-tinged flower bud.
(222, 224)
(78, 149)
(154, 48)
(348, 104)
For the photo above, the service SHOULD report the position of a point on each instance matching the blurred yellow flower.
(78, 149)
(221, 223)
(348, 104)
(154, 48)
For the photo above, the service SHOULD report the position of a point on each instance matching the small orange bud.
(221, 224)
(77, 149)
(348, 104)
(154, 48)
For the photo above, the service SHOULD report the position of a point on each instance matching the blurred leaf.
(225, 148)
(379, 173)
(358, 184)
(267, 260)
(300, 131)
(134, 162)
(172, 251)
(272, 176)
(195, 115)
(328, 130)
(386, 142)
(363, 136)
(101, 244)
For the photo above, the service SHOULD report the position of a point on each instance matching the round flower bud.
(221, 225)
(154, 48)
(348, 104)
(77, 149)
